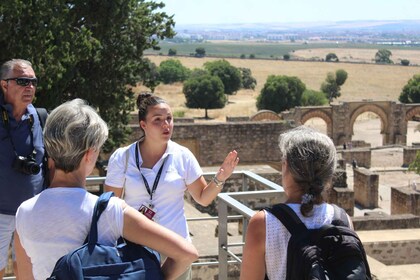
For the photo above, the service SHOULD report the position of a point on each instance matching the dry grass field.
(359, 55)
(365, 81)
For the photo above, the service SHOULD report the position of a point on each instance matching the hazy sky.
(263, 11)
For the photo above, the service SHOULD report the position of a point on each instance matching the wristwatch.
(218, 183)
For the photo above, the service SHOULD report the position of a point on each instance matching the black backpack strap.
(42, 116)
(340, 217)
(288, 218)
(100, 206)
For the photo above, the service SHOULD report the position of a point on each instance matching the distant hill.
(398, 26)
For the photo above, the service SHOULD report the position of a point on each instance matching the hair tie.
(306, 198)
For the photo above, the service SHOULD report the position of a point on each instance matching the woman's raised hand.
(228, 166)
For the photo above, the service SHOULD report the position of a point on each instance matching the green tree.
(230, 75)
(87, 49)
(286, 56)
(405, 62)
(332, 85)
(151, 77)
(200, 52)
(313, 98)
(411, 91)
(204, 91)
(243, 56)
(248, 82)
(252, 56)
(172, 70)
(383, 56)
(331, 57)
(280, 93)
(171, 52)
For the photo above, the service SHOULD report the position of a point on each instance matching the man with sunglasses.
(21, 147)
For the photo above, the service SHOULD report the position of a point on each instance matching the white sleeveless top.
(277, 237)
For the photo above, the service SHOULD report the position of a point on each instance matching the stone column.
(365, 186)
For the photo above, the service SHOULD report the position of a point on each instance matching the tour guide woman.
(153, 173)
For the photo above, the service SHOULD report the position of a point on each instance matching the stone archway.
(370, 108)
(266, 115)
(412, 113)
(319, 114)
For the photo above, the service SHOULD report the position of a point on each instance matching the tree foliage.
(200, 52)
(151, 77)
(248, 82)
(383, 56)
(171, 52)
(332, 85)
(405, 62)
(172, 70)
(313, 98)
(230, 75)
(331, 57)
(411, 91)
(87, 49)
(280, 93)
(204, 91)
(415, 165)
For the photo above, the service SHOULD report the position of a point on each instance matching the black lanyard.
(156, 182)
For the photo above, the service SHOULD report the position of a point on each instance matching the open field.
(365, 81)
(358, 55)
(267, 49)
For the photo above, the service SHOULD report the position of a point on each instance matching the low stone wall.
(405, 200)
(183, 120)
(237, 119)
(396, 252)
(365, 186)
(409, 155)
(385, 222)
(360, 155)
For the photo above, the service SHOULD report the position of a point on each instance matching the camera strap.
(6, 121)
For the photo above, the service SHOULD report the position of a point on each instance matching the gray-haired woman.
(308, 165)
(57, 221)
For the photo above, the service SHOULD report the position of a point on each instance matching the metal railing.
(236, 202)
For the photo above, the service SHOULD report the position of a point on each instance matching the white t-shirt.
(181, 169)
(57, 221)
(277, 237)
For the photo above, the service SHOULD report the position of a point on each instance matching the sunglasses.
(24, 81)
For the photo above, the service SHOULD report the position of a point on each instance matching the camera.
(26, 165)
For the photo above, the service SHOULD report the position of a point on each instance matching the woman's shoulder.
(257, 224)
(120, 152)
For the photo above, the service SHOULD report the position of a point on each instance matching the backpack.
(333, 251)
(94, 261)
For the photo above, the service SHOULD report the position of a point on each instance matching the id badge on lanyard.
(145, 209)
